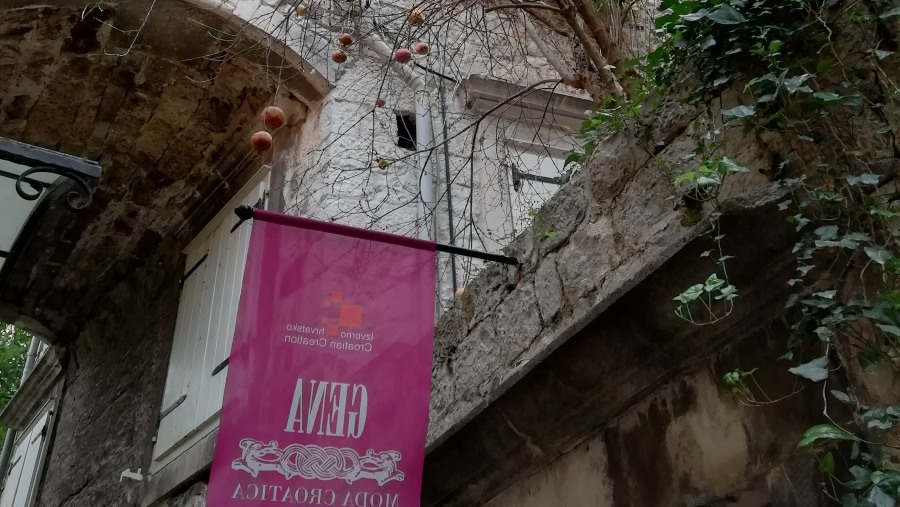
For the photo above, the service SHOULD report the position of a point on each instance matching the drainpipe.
(424, 130)
(10, 439)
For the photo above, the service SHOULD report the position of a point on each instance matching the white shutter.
(204, 328)
(21, 482)
(532, 194)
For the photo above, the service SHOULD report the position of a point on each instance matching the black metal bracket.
(244, 215)
(193, 268)
(171, 407)
(221, 366)
(245, 212)
(518, 176)
(44, 161)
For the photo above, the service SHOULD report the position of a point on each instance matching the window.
(406, 131)
(20, 488)
(204, 328)
(533, 179)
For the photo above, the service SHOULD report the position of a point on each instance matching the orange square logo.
(351, 316)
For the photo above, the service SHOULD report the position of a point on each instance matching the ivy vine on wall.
(813, 78)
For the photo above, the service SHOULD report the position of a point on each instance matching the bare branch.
(522, 6)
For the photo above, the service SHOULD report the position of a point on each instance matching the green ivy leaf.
(740, 112)
(712, 283)
(815, 370)
(792, 300)
(891, 330)
(827, 464)
(878, 254)
(881, 499)
(691, 294)
(863, 179)
(727, 293)
(828, 97)
(726, 15)
(797, 84)
(685, 177)
(573, 158)
(841, 396)
(695, 16)
(733, 166)
(853, 100)
(890, 13)
(860, 475)
(705, 181)
(826, 232)
(824, 333)
(824, 431)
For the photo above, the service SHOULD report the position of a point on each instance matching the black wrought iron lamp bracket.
(77, 199)
(41, 161)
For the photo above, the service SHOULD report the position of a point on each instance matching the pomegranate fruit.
(421, 48)
(339, 56)
(416, 17)
(402, 55)
(301, 10)
(380, 102)
(273, 117)
(345, 38)
(261, 141)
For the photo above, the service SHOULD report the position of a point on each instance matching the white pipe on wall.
(424, 133)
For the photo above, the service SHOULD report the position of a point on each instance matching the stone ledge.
(479, 94)
(180, 470)
(626, 349)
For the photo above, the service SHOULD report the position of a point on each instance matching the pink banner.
(326, 401)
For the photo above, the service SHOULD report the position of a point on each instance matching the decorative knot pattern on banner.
(315, 462)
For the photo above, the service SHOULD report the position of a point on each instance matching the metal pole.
(245, 212)
(448, 184)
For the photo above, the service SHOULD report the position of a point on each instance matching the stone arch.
(169, 127)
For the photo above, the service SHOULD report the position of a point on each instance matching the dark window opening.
(406, 131)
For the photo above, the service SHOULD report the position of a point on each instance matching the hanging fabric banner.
(326, 400)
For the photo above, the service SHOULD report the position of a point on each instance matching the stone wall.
(691, 443)
(113, 376)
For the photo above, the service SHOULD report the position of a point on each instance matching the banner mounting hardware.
(245, 212)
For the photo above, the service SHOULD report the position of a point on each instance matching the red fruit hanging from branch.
(345, 38)
(380, 102)
(339, 56)
(261, 141)
(273, 117)
(416, 17)
(421, 48)
(402, 55)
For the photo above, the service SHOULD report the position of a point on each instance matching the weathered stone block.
(548, 289)
(560, 216)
